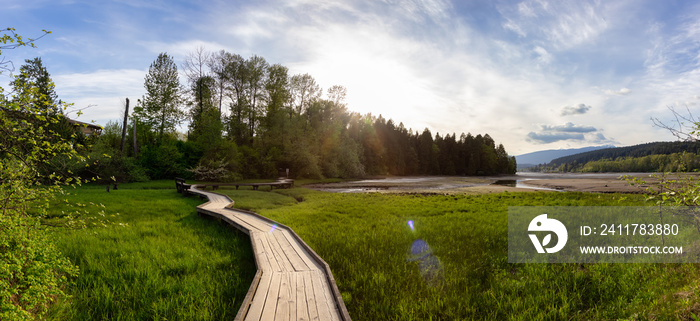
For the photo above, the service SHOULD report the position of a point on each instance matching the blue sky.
(533, 74)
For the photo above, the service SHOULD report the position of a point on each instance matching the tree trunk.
(126, 116)
(135, 145)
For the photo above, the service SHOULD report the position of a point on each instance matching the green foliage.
(33, 272)
(649, 157)
(676, 162)
(680, 189)
(160, 107)
(11, 40)
(109, 164)
(162, 161)
(277, 121)
(35, 164)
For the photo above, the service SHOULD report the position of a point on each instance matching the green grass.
(366, 241)
(155, 260)
(168, 263)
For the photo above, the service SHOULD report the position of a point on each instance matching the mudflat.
(521, 182)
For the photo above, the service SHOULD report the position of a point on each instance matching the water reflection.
(506, 182)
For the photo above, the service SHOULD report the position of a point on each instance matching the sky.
(533, 74)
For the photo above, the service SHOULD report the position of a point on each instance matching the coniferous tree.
(160, 107)
(35, 81)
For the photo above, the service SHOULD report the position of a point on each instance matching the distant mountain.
(546, 156)
(656, 148)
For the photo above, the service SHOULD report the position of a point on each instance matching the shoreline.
(520, 182)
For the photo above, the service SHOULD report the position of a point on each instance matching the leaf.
(546, 239)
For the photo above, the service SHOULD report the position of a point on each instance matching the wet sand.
(521, 182)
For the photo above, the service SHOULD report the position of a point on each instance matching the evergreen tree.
(160, 107)
(35, 82)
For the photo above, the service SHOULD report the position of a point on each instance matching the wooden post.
(126, 116)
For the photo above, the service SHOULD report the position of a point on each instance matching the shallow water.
(437, 183)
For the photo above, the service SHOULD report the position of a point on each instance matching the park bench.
(181, 186)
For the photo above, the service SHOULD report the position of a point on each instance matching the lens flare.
(410, 223)
(274, 226)
(429, 265)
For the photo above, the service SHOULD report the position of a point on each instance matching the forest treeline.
(649, 157)
(249, 119)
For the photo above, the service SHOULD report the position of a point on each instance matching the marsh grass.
(463, 272)
(155, 259)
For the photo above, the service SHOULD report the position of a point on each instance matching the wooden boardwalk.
(292, 281)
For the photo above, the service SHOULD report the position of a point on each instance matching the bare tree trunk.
(135, 145)
(126, 116)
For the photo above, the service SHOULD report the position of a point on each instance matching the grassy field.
(168, 263)
(155, 259)
(379, 264)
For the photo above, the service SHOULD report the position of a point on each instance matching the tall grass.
(154, 260)
(461, 271)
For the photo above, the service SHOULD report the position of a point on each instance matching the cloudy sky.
(534, 74)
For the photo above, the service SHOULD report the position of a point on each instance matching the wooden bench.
(181, 186)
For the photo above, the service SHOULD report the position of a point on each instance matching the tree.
(676, 189)
(304, 90)
(11, 40)
(160, 107)
(235, 74)
(256, 73)
(277, 89)
(32, 271)
(217, 66)
(195, 69)
(34, 80)
(203, 93)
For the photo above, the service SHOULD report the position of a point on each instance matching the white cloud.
(569, 128)
(575, 110)
(544, 56)
(621, 92)
(104, 90)
(547, 138)
(564, 24)
(425, 63)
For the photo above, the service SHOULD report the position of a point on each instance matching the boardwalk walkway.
(292, 281)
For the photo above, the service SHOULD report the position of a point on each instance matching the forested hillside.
(649, 157)
(249, 118)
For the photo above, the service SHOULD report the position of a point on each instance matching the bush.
(32, 271)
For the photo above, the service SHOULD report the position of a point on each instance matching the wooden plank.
(276, 250)
(248, 299)
(291, 281)
(258, 303)
(269, 256)
(239, 221)
(324, 313)
(284, 298)
(303, 253)
(271, 299)
(252, 220)
(330, 298)
(294, 258)
(261, 259)
(310, 297)
(247, 228)
(302, 309)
